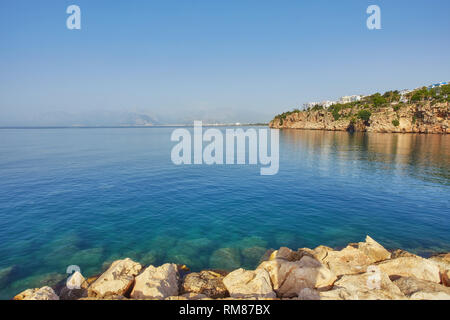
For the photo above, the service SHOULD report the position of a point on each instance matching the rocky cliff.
(425, 117)
(360, 271)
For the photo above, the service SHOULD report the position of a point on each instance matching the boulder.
(75, 288)
(443, 261)
(353, 259)
(112, 297)
(208, 283)
(321, 252)
(156, 283)
(399, 253)
(411, 267)
(290, 255)
(349, 260)
(308, 294)
(117, 280)
(374, 250)
(249, 284)
(188, 296)
(289, 277)
(365, 286)
(417, 289)
(44, 293)
(445, 278)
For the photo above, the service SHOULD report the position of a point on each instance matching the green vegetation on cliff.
(368, 105)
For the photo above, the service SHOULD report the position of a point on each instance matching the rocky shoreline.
(360, 271)
(409, 118)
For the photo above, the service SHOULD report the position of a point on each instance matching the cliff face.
(410, 118)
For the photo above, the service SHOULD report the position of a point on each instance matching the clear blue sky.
(236, 60)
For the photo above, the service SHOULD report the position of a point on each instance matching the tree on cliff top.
(364, 115)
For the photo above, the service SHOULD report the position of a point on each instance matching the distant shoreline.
(131, 126)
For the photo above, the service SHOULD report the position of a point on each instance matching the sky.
(225, 61)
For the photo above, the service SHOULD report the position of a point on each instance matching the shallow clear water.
(90, 196)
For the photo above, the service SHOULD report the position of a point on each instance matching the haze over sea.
(88, 196)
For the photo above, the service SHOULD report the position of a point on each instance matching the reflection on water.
(425, 156)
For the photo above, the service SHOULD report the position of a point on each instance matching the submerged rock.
(249, 284)
(117, 280)
(6, 275)
(156, 283)
(209, 283)
(52, 279)
(252, 256)
(249, 242)
(91, 257)
(226, 259)
(149, 258)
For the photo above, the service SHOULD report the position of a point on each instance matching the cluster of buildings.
(327, 103)
(403, 93)
(437, 85)
(348, 99)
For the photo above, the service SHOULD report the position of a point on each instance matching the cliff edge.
(422, 111)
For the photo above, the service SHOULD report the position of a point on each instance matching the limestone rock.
(366, 286)
(75, 288)
(112, 297)
(156, 283)
(117, 280)
(411, 267)
(321, 252)
(289, 277)
(44, 293)
(349, 260)
(417, 289)
(189, 296)
(374, 250)
(429, 117)
(290, 255)
(308, 294)
(445, 278)
(249, 284)
(209, 283)
(399, 253)
(443, 261)
(24, 294)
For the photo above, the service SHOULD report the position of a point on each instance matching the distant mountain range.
(126, 118)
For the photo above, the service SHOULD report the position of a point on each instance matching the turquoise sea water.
(90, 196)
